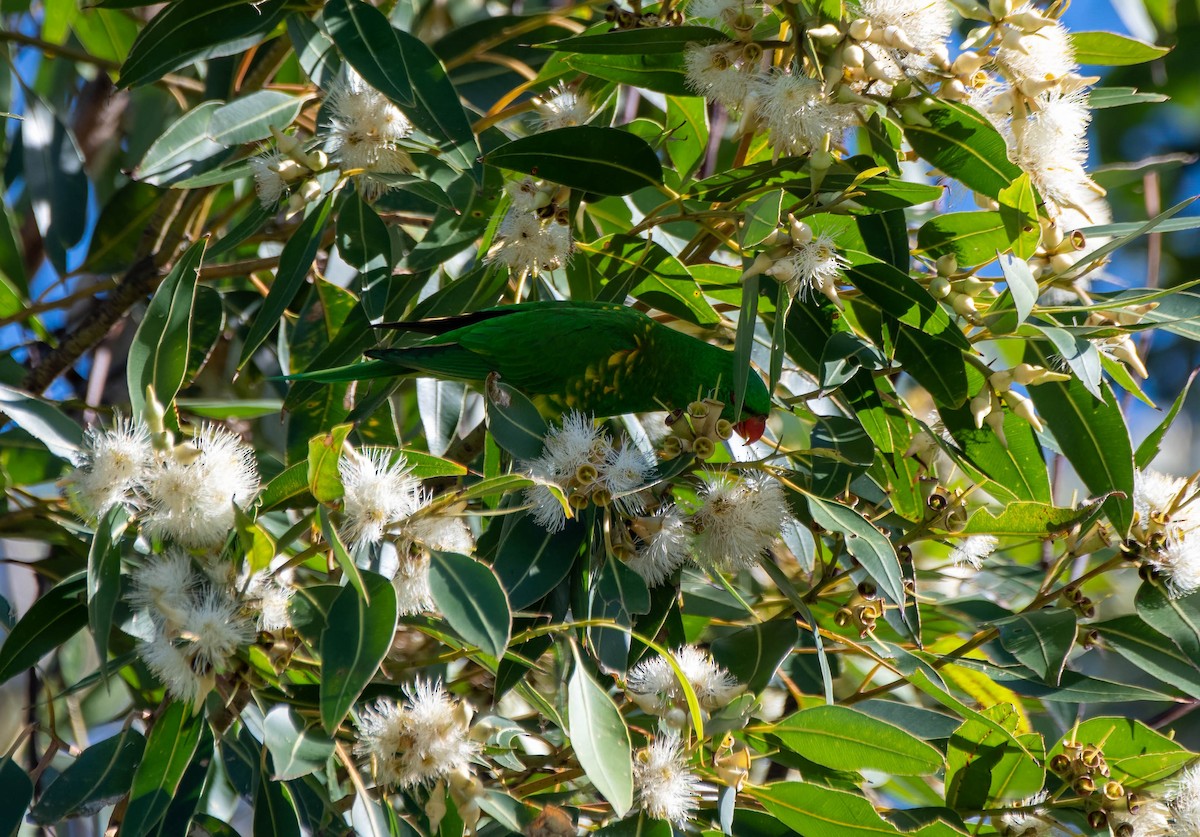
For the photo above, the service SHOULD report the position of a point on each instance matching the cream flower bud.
(1023, 408)
(964, 306)
(1000, 9)
(1124, 350)
(826, 34)
(853, 55)
(860, 29)
(947, 265)
(1001, 381)
(967, 63)
(939, 287)
(981, 406)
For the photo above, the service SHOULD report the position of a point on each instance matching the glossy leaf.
(251, 117)
(1152, 652)
(972, 237)
(618, 595)
(188, 31)
(274, 810)
(1041, 640)
(1136, 755)
(158, 356)
(61, 435)
(1018, 209)
(864, 542)
(55, 180)
(661, 72)
(1093, 437)
(471, 598)
(600, 738)
(103, 772)
(983, 769)
(843, 738)
(531, 561)
(606, 161)
(816, 811)
(294, 264)
(514, 422)
(639, 41)
(18, 793)
(104, 578)
(1149, 448)
(50, 621)
(356, 638)
(646, 271)
(962, 143)
(121, 227)
(1175, 617)
(169, 750)
(1113, 50)
(295, 750)
(754, 653)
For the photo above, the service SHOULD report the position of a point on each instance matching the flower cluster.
(562, 108)
(654, 687)
(804, 262)
(183, 493)
(385, 505)
(195, 625)
(425, 739)
(365, 135)
(581, 460)
(667, 789)
(1168, 528)
(535, 233)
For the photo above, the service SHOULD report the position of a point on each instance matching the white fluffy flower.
(443, 532)
(1184, 800)
(545, 508)
(364, 134)
(653, 686)
(812, 267)
(173, 667)
(570, 449)
(562, 108)
(667, 789)
(717, 72)
(528, 245)
(972, 551)
(1179, 561)
(1031, 823)
(274, 595)
(798, 114)
(666, 545)
(925, 24)
(216, 628)
(1151, 818)
(191, 493)
(380, 492)
(163, 586)
(1155, 497)
(412, 585)
(1042, 56)
(112, 464)
(420, 742)
(738, 519)
(269, 184)
(624, 469)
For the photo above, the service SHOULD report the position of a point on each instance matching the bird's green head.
(755, 409)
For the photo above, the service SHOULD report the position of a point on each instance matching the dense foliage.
(793, 493)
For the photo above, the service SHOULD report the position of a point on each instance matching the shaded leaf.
(169, 750)
(600, 738)
(356, 638)
(470, 597)
(103, 772)
(606, 161)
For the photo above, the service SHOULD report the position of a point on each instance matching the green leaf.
(1018, 209)
(362, 237)
(1025, 517)
(470, 597)
(944, 372)
(864, 542)
(294, 263)
(1093, 437)
(274, 810)
(639, 41)
(1108, 49)
(963, 144)
(898, 295)
(324, 455)
(762, 218)
(971, 237)
(1177, 618)
(753, 654)
(1041, 640)
(514, 422)
(1081, 356)
(660, 72)
(289, 483)
(984, 768)
(1152, 652)
(1148, 449)
(356, 638)
(158, 356)
(169, 750)
(49, 622)
(600, 738)
(1018, 468)
(296, 749)
(121, 227)
(251, 118)
(55, 181)
(103, 772)
(687, 126)
(645, 270)
(104, 579)
(1113, 97)
(404, 69)
(619, 595)
(531, 561)
(606, 161)
(18, 793)
(1136, 755)
(845, 739)
(816, 811)
(188, 31)
(61, 435)
(1021, 285)
(341, 556)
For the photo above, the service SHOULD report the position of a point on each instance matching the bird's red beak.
(751, 429)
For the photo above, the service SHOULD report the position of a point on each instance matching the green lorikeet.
(599, 358)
